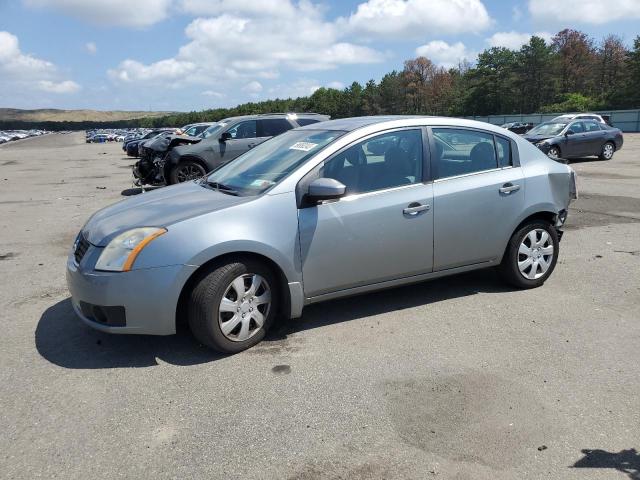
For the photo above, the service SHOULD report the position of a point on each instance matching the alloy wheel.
(189, 172)
(535, 254)
(244, 307)
(553, 153)
(607, 152)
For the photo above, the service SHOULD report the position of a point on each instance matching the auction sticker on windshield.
(303, 146)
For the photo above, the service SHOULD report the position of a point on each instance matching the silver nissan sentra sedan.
(332, 209)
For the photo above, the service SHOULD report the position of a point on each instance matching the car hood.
(158, 208)
(164, 142)
(537, 138)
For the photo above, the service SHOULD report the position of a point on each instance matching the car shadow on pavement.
(625, 461)
(390, 300)
(64, 340)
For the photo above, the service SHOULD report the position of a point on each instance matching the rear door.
(595, 137)
(478, 193)
(270, 127)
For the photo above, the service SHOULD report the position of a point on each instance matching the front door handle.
(507, 188)
(415, 208)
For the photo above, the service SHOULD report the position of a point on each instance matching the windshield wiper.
(221, 187)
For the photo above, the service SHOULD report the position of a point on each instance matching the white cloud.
(584, 11)
(515, 40)
(67, 86)
(250, 43)
(91, 48)
(418, 18)
(444, 54)
(20, 72)
(253, 87)
(127, 13)
(212, 93)
(336, 85)
(15, 63)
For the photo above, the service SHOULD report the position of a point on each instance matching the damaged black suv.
(171, 159)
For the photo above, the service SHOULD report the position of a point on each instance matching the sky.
(182, 55)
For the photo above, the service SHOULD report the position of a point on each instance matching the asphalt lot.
(461, 378)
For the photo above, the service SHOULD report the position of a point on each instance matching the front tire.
(186, 170)
(531, 255)
(608, 149)
(232, 306)
(554, 153)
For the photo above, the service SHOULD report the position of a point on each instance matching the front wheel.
(607, 151)
(232, 306)
(531, 255)
(554, 153)
(186, 170)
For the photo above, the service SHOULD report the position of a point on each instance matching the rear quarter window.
(306, 121)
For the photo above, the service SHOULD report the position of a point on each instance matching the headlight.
(122, 251)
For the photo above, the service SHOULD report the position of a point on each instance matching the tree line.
(570, 73)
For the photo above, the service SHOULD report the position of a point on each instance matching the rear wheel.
(232, 306)
(531, 255)
(607, 152)
(186, 170)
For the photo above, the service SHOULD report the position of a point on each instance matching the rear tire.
(229, 320)
(186, 170)
(608, 149)
(531, 255)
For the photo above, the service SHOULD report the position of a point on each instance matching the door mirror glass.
(225, 136)
(325, 189)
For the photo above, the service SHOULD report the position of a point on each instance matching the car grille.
(82, 245)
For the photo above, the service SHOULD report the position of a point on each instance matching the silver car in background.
(332, 209)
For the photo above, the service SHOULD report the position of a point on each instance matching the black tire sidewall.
(205, 301)
(509, 266)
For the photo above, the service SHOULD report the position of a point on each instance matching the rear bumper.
(140, 301)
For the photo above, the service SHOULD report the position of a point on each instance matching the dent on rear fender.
(560, 184)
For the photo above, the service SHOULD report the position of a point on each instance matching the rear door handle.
(509, 187)
(415, 208)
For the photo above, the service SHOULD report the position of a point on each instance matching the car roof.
(353, 123)
(291, 115)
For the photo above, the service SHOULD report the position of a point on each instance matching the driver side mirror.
(569, 132)
(325, 189)
(224, 137)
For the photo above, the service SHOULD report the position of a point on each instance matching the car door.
(243, 137)
(478, 193)
(575, 144)
(382, 229)
(595, 137)
(270, 127)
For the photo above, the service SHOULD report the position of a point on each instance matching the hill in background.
(55, 115)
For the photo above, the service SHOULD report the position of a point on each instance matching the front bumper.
(141, 301)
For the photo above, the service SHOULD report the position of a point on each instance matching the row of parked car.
(174, 155)
(12, 135)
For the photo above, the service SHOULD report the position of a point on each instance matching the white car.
(579, 116)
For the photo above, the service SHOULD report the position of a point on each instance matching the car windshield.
(212, 130)
(265, 165)
(548, 128)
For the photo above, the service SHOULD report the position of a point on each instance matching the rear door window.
(273, 126)
(503, 148)
(462, 151)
